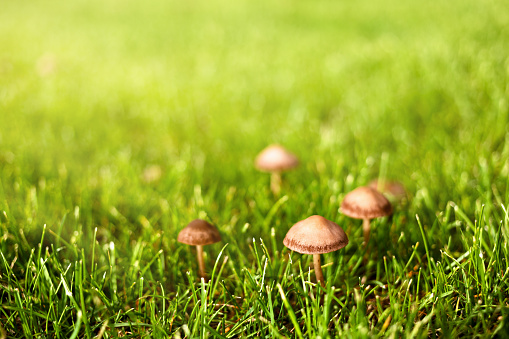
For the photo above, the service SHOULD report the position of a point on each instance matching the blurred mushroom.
(199, 233)
(393, 190)
(152, 173)
(275, 159)
(365, 203)
(316, 235)
(46, 64)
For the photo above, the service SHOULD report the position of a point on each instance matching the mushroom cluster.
(314, 235)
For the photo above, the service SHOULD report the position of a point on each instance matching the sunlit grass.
(120, 122)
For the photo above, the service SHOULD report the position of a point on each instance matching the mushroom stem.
(275, 182)
(201, 263)
(366, 226)
(318, 269)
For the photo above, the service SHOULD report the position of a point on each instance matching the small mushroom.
(393, 190)
(199, 233)
(365, 203)
(276, 159)
(316, 235)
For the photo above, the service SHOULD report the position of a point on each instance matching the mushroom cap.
(365, 203)
(391, 188)
(199, 232)
(276, 158)
(315, 235)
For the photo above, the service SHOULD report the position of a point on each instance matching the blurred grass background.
(200, 87)
(93, 93)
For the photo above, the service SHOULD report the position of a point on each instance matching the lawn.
(122, 121)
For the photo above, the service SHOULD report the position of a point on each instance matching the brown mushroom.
(365, 203)
(316, 235)
(393, 190)
(275, 159)
(199, 233)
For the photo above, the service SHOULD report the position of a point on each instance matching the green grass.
(93, 94)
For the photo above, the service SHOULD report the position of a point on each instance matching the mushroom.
(393, 190)
(275, 159)
(199, 233)
(365, 203)
(316, 235)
